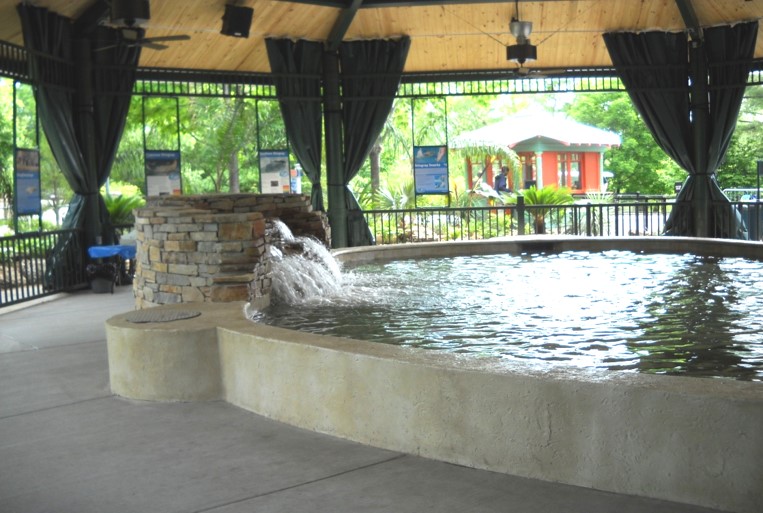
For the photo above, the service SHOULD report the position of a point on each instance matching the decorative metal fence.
(751, 212)
(29, 270)
(630, 218)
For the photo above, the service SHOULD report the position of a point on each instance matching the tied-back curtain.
(654, 67)
(296, 68)
(82, 117)
(113, 82)
(371, 73)
(83, 112)
(48, 36)
(729, 54)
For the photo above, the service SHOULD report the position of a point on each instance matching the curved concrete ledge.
(689, 440)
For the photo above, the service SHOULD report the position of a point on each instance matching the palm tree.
(542, 200)
(121, 207)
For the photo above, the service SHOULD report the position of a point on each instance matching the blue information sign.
(27, 167)
(163, 172)
(274, 172)
(430, 169)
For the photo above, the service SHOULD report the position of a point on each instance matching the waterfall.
(302, 269)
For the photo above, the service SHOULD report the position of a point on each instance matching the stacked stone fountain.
(213, 248)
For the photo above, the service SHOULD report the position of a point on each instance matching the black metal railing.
(740, 219)
(34, 265)
(473, 223)
(751, 213)
(121, 229)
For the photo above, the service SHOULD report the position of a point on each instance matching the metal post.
(15, 146)
(757, 205)
(85, 109)
(332, 116)
(520, 214)
(700, 112)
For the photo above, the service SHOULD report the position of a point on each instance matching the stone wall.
(293, 209)
(212, 248)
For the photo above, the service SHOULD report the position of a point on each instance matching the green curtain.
(655, 68)
(370, 78)
(296, 67)
(82, 83)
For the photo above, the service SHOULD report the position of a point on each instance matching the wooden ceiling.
(446, 35)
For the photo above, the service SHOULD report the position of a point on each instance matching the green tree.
(128, 164)
(639, 164)
(220, 129)
(218, 140)
(739, 168)
(6, 145)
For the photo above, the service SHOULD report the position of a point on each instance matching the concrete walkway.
(67, 445)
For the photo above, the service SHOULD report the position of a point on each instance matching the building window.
(528, 163)
(569, 171)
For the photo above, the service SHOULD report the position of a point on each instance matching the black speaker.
(236, 21)
(128, 13)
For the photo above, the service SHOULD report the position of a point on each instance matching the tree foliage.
(639, 165)
(218, 140)
(739, 168)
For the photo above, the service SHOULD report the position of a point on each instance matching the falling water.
(302, 269)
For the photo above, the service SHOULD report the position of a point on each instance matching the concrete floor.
(67, 445)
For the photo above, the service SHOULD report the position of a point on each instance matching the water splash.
(302, 269)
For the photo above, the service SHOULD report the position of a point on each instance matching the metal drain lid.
(154, 315)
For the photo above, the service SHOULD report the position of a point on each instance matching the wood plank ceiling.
(446, 35)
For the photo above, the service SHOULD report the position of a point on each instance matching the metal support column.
(85, 108)
(700, 117)
(332, 119)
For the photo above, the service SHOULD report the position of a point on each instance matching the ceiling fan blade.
(152, 46)
(178, 37)
(103, 48)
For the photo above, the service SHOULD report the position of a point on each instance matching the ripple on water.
(657, 313)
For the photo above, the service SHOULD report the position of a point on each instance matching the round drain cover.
(154, 315)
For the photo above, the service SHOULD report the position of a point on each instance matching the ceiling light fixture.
(522, 51)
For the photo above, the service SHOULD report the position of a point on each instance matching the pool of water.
(624, 311)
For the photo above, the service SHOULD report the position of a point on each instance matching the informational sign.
(163, 173)
(430, 169)
(274, 172)
(27, 177)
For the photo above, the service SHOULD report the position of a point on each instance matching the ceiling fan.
(132, 38)
(130, 16)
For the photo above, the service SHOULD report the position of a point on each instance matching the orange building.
(552, 150)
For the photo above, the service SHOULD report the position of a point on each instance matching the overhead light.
(237, 21)
(520, 29)
(523, 51)
(130, 13)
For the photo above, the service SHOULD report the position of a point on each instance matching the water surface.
(657, 313)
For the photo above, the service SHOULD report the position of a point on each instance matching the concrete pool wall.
(691, 440)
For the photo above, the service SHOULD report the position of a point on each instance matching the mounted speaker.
(130, 13)
(521, 53)
(236, 21)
